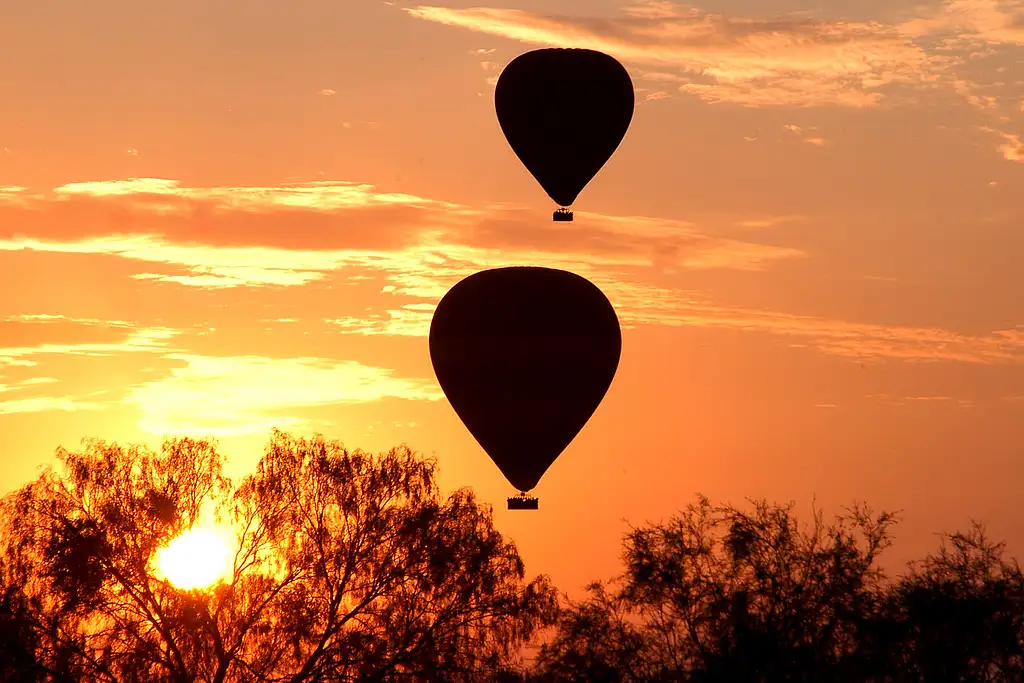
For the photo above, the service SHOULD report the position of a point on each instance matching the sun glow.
(196, 559)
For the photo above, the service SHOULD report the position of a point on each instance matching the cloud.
(631, 258)
(46, 403)
(809, 138)
(989, 21)
(228, 396)
(621, 240)
(57, 318)
(292, 235)
(923, 400)
(197, 393)
(268, 277)
(409, 320)
(1012, 148)
(769, 222)
(639, 304)
(140, 340)
(328, 92)
(44, 334)
(652, 96)
(791, 60)
(34, 381)
(27, 383)
(787, 61)
(21, 358)
(655, 10)
(848, 339)
(29, 335)
(168, 195)
(984, 38)
(27, 357)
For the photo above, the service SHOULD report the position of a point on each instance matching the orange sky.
(216, 218)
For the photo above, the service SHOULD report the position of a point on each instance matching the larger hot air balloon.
(564, 112)
(524, 355)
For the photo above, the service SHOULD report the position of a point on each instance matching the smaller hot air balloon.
(564, 112)
(524, 355)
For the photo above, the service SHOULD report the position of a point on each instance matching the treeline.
(352, 567)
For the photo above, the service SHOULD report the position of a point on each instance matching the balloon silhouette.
(524, 355)
(564, 112)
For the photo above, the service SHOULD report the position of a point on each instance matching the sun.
(196, 559)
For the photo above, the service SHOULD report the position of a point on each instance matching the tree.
(718, 594)
(18, 643)
(958, 615)
(349, 567)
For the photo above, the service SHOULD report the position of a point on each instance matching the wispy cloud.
(768, 222)
(644, 304)
(806, 135)
(408, 320)
(57, 318)
(26, 383)
(35, 381)
(985, 38)
(29, 358)
(26, 359)
(440, 244)
(293, 235)
(951, 401)
(999, 22)
(230, 396)
(1011, 148)
(146, 340)
(790, 61)
(326, 195)
(45, 404)
(849, 339)
(194, 393)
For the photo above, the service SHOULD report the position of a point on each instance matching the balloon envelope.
(524, 356)
(564, 112)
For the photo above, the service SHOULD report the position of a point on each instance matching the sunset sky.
(220, 217)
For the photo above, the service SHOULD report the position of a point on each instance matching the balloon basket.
(522, 502)
(562, 215)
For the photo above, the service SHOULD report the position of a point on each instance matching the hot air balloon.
(564, 112)
(524, 355)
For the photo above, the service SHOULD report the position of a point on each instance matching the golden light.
(196, 559)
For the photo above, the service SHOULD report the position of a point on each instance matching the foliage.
(349, 567)
(719, 594)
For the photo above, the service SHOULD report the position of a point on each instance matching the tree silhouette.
(349, 567)
(18, 641)
(719, 594)
(958, 615)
